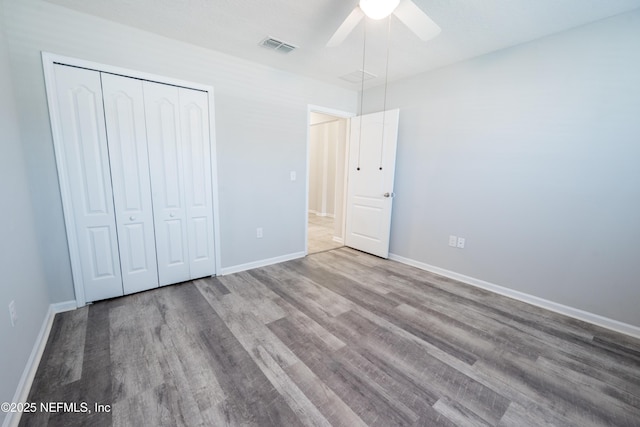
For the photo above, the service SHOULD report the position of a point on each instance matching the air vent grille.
(278, 45)
(357, 76)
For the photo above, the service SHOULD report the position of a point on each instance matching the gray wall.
(261, 119)
(22, 273)
(533, 154)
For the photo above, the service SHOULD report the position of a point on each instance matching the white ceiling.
(469, 28)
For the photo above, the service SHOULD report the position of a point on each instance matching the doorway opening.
(327, 182)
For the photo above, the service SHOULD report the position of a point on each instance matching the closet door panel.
(194, 108)
(126, 132)
(162, 112)
(87, 176)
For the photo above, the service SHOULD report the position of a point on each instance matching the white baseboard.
(61, 307)
(576, 313)
(338, 240)
(316, 213)
(261, 263)
(26, 380)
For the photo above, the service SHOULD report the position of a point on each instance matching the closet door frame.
(48, 62)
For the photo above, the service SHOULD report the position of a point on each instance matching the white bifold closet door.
(127, 140)
(137, 165)
(85, 160)
(179, 158)
(194, 113)
(162, 110)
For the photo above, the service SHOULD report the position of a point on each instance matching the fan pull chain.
(364, 51)
(386, 82)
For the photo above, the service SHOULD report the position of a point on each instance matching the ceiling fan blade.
(347, 26)
(417, 21)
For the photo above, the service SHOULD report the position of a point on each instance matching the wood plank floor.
(339, 338)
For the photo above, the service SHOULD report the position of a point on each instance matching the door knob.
(172, 214)
(389, 194)
(132, 218)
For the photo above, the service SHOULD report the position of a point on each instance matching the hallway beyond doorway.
(321, 231)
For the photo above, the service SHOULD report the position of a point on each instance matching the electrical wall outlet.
(293, 175)
(453, 241)
(13, 313)
(461, 242)
(259, 232)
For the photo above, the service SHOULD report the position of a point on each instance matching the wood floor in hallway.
(321, 232)
(338, 338)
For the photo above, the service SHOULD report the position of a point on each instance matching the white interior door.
(127, 135)
(194, 116)
(86, 175)
(164, 136)
(372, 161)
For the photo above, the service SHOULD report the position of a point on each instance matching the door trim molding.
(48, 62)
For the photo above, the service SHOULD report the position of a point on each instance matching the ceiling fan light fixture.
(378, 9)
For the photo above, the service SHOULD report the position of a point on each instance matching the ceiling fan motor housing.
(378, 9)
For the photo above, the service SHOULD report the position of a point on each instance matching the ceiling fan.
(405, 10)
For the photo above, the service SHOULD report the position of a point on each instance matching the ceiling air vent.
(279, 45)
(357, 76)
